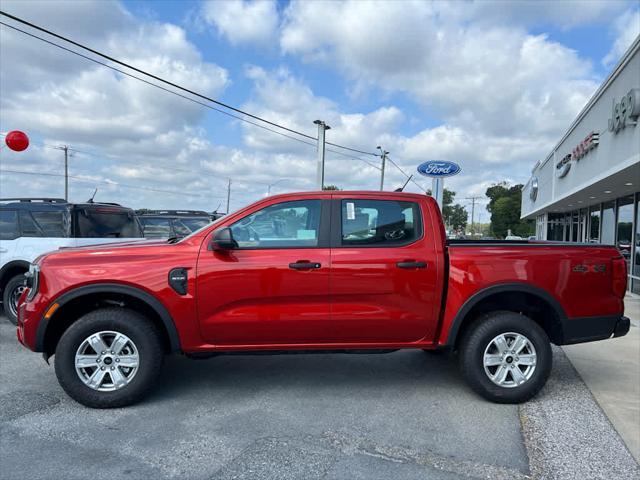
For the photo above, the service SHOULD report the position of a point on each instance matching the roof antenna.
(216, 210)
(92, 196)
(405, 184)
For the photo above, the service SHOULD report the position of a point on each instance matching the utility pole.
(383, 155)
(473, 206)
(322, 128)
(65, 149)
(228, 194)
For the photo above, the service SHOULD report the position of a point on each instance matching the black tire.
(478, 337)
(140, 330)
(10, 309)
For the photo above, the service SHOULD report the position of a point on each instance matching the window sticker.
(351, 211)
(306, 235)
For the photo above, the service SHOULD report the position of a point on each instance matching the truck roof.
(374, 193)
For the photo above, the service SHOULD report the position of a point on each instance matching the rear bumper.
(591, 329)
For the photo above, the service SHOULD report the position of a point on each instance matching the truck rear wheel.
(11, 295)
(505, 357)
(109, 358)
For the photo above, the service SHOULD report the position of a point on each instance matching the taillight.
(619, 276)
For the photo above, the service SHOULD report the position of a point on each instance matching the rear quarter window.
(8, 225)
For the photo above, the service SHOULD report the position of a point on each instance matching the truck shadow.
(250, 374)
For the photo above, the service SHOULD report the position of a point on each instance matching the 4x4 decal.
(595, 268)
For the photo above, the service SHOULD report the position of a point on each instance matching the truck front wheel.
(109, 358)
(505, 357)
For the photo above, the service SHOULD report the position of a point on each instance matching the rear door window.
(381, 223)
(106, 223)
(52, 224)
(9, 225)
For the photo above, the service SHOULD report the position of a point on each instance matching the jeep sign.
(626, 111)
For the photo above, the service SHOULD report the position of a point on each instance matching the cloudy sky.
(490, 85)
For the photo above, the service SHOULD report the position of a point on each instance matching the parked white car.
(30, 227)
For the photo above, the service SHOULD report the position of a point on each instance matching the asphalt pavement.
(406, 415)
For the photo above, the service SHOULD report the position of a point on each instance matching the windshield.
(106, 223)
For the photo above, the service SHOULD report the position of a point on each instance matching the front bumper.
(591, 329)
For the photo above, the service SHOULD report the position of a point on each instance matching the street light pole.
(383, 155)
(65, 149)
(274, 183)
(228, 194)
(322, 128)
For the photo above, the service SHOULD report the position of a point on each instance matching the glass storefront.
(608, 232)
(623, 230)
(635, 282)
(594, 224)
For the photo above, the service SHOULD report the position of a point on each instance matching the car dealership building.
(588, 188)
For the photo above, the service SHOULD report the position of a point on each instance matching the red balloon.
(17, 140)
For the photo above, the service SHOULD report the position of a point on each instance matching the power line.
(155, 77)
(187, 98)
(406, 175)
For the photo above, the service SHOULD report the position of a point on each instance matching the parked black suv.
(172, 223)
(30, 227)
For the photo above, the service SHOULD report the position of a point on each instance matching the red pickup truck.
(319, 271)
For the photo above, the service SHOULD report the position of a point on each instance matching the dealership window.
(608, 231)
(282, 225)
(594, 224)
(555, 227)
(574, 226)
(635, 283)
(380, 222)
(624, 227)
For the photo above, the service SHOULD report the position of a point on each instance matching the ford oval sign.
(438, 168)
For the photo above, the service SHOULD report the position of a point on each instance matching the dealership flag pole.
(322, 128)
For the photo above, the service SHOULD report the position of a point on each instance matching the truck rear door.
(384, 273)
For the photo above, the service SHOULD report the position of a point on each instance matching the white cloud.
(498, 78)
(61, 99)
(627, 29)
(243, 21)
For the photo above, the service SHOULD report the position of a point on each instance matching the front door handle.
(411, 264)
(304, 265)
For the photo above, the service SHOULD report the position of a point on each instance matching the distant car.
(30, 227)
(172, 223)
(532, 237)
(513, 237)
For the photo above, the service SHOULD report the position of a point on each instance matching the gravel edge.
(567, 435)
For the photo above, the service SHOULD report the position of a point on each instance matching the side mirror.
(223, 240)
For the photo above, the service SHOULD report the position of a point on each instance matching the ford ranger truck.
(319, 271)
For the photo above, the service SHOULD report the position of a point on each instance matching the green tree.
(330, 187)
(504, 205)
(457, 217)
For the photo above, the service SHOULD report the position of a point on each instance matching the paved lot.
(405, 415)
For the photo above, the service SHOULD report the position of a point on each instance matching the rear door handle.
(411, 264)
(304, 265)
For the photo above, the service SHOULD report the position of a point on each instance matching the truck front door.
(273, 289)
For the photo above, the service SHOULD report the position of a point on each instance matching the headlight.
(32, 281)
